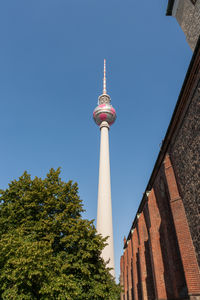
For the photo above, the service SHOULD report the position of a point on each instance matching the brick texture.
(136, 289)
(159, 260)
(130, 282)
(158, 264)
(143, 237)
(187, 250)
(173, 275)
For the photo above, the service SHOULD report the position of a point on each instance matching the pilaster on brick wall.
(125, 274)
(134, 241)
(158, 266)
(143, 237)
(174, 278)
(187, 252)
(122, 276)
(129, 249)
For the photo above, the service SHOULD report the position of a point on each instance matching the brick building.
(187, 13)
(162, 251)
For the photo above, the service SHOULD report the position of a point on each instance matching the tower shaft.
(104, 211)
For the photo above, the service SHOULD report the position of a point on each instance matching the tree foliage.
(47, 251)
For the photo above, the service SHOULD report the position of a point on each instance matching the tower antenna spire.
(104, 79)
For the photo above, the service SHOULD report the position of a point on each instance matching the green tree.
(47, 251)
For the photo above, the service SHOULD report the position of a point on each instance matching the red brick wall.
(187, 251)
(174, 275)
(159, 258)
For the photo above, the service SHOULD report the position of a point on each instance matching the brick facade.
(162, 250)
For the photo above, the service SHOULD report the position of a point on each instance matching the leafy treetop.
(47, 251)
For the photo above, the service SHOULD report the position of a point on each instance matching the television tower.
(104, 115)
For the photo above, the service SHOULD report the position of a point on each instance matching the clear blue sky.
(51, 69)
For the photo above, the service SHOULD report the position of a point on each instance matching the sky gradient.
(51, 71)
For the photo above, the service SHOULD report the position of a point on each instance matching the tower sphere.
(104, 111)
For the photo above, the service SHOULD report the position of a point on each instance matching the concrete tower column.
(104, 116)
(104, 211)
